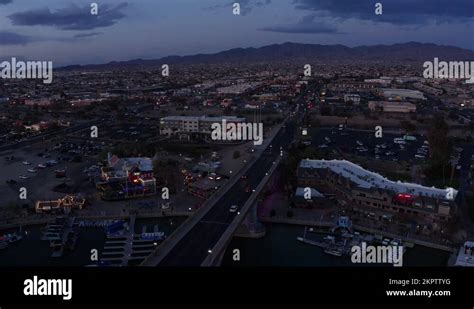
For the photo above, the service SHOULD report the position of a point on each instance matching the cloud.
(3, 2)
(87, 35)
(402, 12)
(246, 6)
(11, 38)
(72, 17)
(307, 24)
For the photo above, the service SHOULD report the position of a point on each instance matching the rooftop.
(202, 118)
(368, 180)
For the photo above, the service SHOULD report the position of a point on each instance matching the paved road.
(193, 248)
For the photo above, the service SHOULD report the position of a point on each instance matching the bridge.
(201, 240)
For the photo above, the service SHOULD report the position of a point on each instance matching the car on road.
(214, 176)
(41, 165)
(32, 170)
(26, 162)
(24, 177)
(11, 181)
(233, 208)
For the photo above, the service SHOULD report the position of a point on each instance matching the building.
(43, 125)
(401, 94)
(39, 102)
(205, 187)
(193, 126)
(63, 205)
(392, 107)
(127, 178)
(355, 98)
(384, 81)
(365, 189)
(316, 200)
(351, 86)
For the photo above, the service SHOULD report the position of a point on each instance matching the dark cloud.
(246, 6)
(307, 24)
(72, 17)
(3, 2)
(403, 12)
(87, 35)
(11, 38)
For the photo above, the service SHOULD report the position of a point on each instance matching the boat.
(52, 229)
(54, 243)
(464, 256)
(13, 238)
(330, 239)
(334, 251)
(50, 236)
(116, 228)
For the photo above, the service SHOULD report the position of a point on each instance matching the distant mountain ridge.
(401, 52)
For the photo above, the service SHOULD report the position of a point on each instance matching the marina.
(341, 244)
(62, 235)
(77, 251)
(281, 248)
(123, 247)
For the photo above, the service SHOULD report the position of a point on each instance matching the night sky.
(66, 33)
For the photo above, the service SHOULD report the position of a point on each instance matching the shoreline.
(359, 228)
(98, 217)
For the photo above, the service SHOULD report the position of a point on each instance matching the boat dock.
(124, 247)
(61, 235)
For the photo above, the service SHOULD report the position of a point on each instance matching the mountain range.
(402, 52)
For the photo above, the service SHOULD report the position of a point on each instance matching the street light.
(209, 251)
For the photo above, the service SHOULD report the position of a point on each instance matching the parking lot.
(37, 167)
(365, 144)
(123, 132)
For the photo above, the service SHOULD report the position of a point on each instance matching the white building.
(401, 94)
(392, 107)
(355, 98)
(173, 125)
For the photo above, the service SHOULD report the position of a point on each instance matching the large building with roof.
(193, 126)
(363, 188)
(127, 177)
